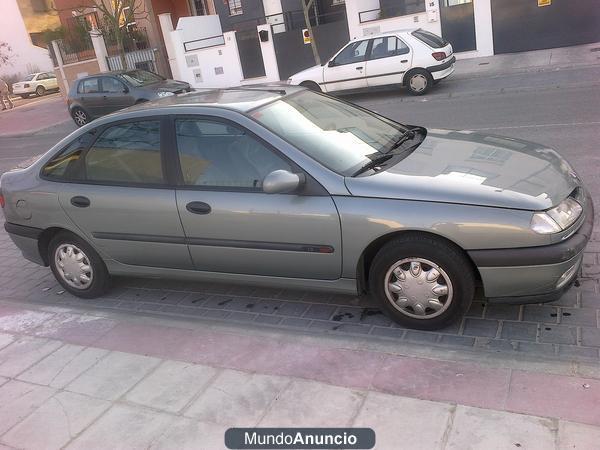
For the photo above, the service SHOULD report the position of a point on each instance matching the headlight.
(558, 218)
(164, 94)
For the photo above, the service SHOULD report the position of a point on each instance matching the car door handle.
(359, 68)
(198, 208)
(404, 61)
(80, 201)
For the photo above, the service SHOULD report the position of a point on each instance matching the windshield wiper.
(372, 164)
(407, 135)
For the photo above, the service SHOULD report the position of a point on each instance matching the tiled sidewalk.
(85, 381)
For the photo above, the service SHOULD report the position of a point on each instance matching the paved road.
(559, 108)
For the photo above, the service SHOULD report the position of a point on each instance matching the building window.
(337, 2)
(235, 7)
(200, 8)
(39, 5)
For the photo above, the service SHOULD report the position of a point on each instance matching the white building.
(26, 57)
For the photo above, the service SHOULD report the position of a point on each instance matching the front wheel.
(311, 85)
(40, 90)
(422, 282)
(77, 266)
(419, 81)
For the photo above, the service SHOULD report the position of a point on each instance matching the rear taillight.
(2, 202)
(439, 55)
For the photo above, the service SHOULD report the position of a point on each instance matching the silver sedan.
(286, 187)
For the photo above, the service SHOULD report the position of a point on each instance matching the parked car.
(416, 59)
(296, 189)
(36, 83)
(97, 95)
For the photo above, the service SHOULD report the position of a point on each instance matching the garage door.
(521, 25)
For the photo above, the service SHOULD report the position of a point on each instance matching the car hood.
(476, 169)
(168, 86)
(314, 73)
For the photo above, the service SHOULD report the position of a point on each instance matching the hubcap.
(80, 117)
(418, 288)
(418, 82)
(73, 266)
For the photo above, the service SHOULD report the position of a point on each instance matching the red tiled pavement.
(34, 116)
(571, 398)
(565, 397)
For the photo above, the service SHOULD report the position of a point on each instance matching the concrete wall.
(357, 29)
(217, 66)
(26, 57)
(74, 71)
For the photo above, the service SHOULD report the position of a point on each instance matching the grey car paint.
(357, 213)
(98, 104)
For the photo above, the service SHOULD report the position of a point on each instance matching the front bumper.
(534, 274)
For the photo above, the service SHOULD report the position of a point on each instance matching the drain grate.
(595, 49)
(483, 63)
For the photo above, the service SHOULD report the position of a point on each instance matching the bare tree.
(115, 16)
(306, 5)
(5, 54)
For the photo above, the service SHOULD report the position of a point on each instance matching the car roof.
(242, 99)
(388, 33)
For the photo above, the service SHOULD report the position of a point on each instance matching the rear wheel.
(419, 81)
(40, 90)
(422, 282)
(24, 96)
(80, 117)
(311, 85)
(77, 266)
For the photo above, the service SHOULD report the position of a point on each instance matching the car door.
(347, 69)
(119, 198)
(232, 225)
(115, 95)
(51, 81)
(90, 96)
(390, 58)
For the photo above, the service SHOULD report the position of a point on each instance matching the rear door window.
(89, 86)
(388, 46)
(66, 165)
(433, 40)
(127, 153)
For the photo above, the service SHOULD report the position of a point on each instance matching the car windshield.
(338, 135)
(141, 77)
(29, 77)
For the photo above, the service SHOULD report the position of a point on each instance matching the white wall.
(27, 57)
(357, 29)
(217, 66)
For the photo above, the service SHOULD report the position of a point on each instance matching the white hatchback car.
(414, 58)
(36, 83)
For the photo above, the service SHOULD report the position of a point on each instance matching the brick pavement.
(568, 329)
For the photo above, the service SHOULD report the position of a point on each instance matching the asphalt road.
(559, 108)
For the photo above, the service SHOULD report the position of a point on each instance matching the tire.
(419, 81)
(80, 255)
(23, 96)
(413, 258)
(40, 90)
(80, 117)
(311, 85)
(141, 100)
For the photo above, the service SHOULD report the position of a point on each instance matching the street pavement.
(505, 375)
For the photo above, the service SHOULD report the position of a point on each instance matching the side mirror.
(282, 182)
(125, 90)
(331, 63)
